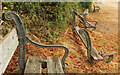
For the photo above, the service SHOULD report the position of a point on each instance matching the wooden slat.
(59, 68)
(0, 20)
(33, 65)
(7, 49)
(95, 54)
(54, 65)
(50, 65)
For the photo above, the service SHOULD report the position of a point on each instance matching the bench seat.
(35, 63)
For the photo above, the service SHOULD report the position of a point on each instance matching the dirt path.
(107, 18)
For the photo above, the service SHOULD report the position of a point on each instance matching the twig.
(66, 31)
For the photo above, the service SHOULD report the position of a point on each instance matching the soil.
(107, 18)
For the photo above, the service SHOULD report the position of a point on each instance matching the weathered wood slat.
(59, 68)
(7, 49)
(50, 65)
(0, 20)
(54, 65)
(95, 54)
(33, 65)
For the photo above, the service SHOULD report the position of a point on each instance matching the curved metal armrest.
(51, 46)
(93, 21)
(109, 59)
(94, 25)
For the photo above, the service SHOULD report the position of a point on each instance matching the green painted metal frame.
(23, 38)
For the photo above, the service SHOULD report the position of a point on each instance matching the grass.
(77, 70)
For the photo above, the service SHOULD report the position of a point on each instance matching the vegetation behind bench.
(50, 16)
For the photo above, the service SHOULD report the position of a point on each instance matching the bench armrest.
(110, 57)
(94, 25)
(51, 46)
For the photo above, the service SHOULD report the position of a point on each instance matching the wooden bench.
(35, 63)
(96, 8)
(84, 36)
(82, 33)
